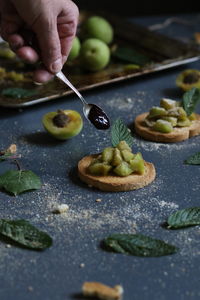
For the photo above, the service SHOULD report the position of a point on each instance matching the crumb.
(82, 265)
(30, 288)
(128, 100)
(197, 37)
(12, 149)
(98, 200)
(61, 208)
(102, 291)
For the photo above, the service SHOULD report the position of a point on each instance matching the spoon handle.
(62, 77)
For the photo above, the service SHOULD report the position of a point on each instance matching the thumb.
(49, 44)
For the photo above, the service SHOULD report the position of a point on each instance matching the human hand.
(54, 22)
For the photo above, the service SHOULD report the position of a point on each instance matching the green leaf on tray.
(119, 132)
(193, 159)
(184, 218)
(130, 55)
(18, 92)
(25, 234)
(19, 181)
(190, 100)
(138, 245)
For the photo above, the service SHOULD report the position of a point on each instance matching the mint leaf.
(138, 245)
(18, 92)
(5, 156)
(184, 218)
(190, 100)
(119, 132)
(22, 232)
(193, 159)
(130, 55)
(18, 181)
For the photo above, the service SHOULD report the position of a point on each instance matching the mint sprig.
(18, 93)
(25, 234)
(119, 132)
(19, 181)
(190, 100)
(138, 245)
(193, 159)
(184, 218)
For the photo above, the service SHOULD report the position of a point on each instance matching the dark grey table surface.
(56, 273)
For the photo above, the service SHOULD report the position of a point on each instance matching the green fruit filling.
(137, 164)
(99, 168)
(167, 116)
(107, 154)
(157, 111)
(168, 103)
(118, 161)
(162, 126)
(123, 169)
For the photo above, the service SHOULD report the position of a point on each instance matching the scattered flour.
(127, 103)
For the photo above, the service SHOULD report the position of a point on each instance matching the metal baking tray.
(163, 53)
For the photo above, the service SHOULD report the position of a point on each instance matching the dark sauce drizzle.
(98, 117)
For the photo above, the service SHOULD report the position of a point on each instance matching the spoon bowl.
(92, 112)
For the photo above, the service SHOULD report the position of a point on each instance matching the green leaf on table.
(119, 132)
(190, 100)
(193, 159)
(184, 218)
(25, 234)
(5, 156)
(130, 55)
(18, 92)
(19, 181)
(138, 245)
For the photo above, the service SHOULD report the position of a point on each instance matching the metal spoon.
(91, 111)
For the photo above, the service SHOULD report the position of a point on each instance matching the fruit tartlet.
(168, 122)
(116, 169)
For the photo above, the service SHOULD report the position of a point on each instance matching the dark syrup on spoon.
(98, 117)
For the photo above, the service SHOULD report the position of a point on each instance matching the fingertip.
(42, 76)
(15, 41)
(56, 66)
(28, 54)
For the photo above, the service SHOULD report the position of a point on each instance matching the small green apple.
(63, 124)
(75, 49)
(99, 28)
(94, 55)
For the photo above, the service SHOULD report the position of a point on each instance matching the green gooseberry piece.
(168, 103)
(123, 169)
(99, 169)
(137, 164)
(107, 154)
(157, 111)
(162, 126)
(117, 158)
(172, 120)
(184, 122)
(123, 146)
(127, 155)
